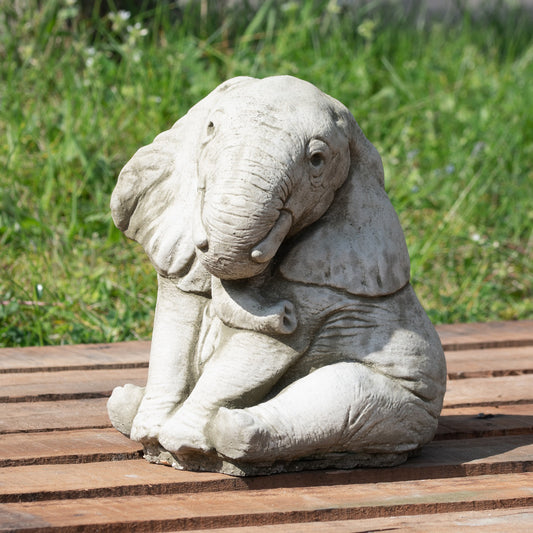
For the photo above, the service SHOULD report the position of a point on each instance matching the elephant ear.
(153, 200)
(358, 245)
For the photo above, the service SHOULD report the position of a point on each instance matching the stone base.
(215, 463)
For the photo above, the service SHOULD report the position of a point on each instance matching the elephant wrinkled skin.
(286, 333)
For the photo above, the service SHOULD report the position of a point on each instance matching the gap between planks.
(507, 460)
(134, 354)
(488, 456)
(73, 385)
(69, 415)
(518, 520)
(276, 506)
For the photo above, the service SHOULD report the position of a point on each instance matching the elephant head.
(272, 156)
(253, 164)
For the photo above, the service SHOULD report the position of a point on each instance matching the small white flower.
(124, 15)
(476, 237)
(39, 290)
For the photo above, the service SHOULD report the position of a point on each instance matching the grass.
(448, 105)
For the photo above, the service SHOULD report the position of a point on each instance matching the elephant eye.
(209, 132)
(317, 154)
(317, 159)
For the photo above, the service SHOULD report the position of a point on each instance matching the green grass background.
(447, 103)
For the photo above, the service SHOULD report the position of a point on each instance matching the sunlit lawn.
(448, 105)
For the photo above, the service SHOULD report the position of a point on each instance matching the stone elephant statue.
(286, 333)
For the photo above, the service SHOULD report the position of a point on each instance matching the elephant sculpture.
(286, 335)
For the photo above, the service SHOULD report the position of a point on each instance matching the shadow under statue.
(287, 335)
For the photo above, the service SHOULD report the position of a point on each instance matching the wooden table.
(63, 468)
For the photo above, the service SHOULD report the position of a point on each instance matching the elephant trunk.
(242, 219)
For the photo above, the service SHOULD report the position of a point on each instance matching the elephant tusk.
(268, 247)
(199, 235)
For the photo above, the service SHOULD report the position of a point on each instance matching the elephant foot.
(181, 436)
(152, 415)
(123, 405)
(236, 434)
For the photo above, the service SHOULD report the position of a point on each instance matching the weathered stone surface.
(286, 334)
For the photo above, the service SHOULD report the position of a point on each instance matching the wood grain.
(485, 335)
(66, 385)
(55, 447)
(454, 423)
(76, 384)
(489, 392)
(25, 417)
(281, 505)
(75, 357)
(485, 421)
(489, 521)
(461, 458)
(490, 362)
(63, 468)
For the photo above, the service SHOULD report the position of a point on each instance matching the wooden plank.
(463, 363)
(42, 386)
(481, 455)
(271, 506)
(75, 357)
(47, 416)
(489, 392)
(104, 479)
(487, 397)
(138, 477)
(490, 362)
(135, 354)
(460, 423)
(485, 335)
(66, 385)
(485, 421)
(57, 447)
(518, 520)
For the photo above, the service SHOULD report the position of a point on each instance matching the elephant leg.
(241, 372)
(342, 407)
(177, 322)
(123, 405)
